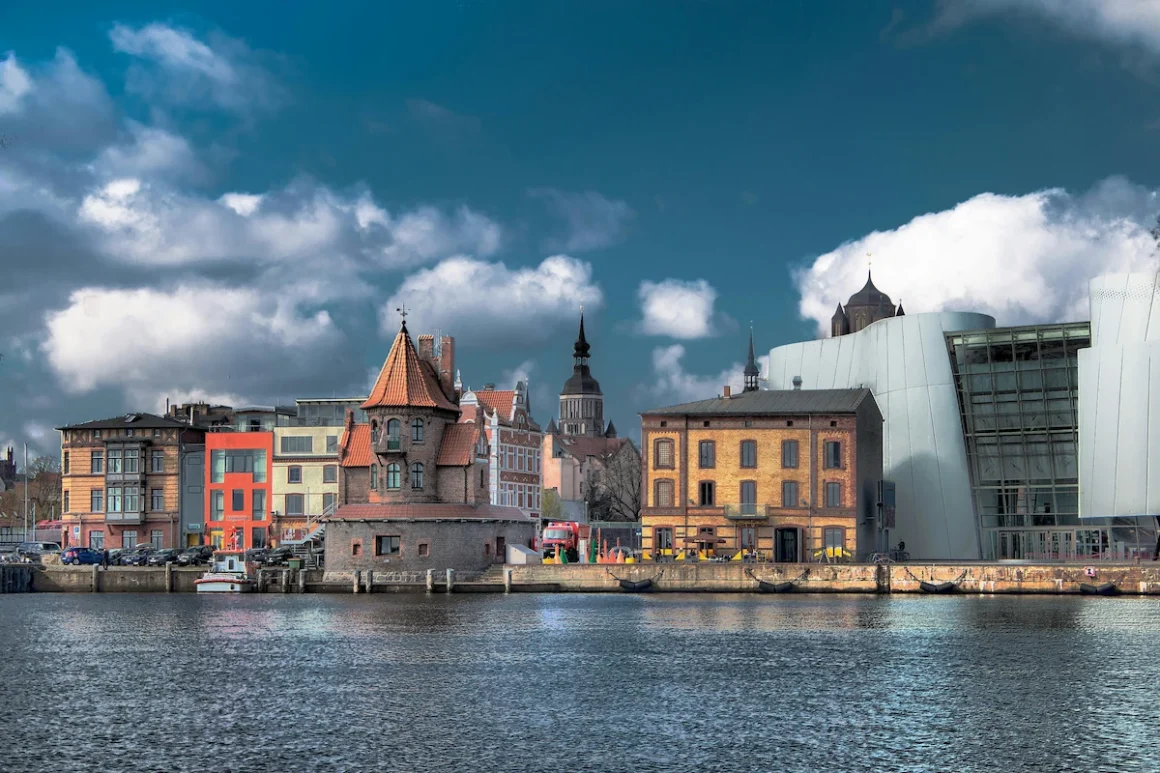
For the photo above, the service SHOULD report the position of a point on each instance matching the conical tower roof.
(868, 296)
(405, 381)
(900, 312)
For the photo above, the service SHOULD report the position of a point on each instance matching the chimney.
(446, 365)
(797, 382)
(427, 349)
(728, 390)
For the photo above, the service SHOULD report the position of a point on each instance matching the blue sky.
(228, 200)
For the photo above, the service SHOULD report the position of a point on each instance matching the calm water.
(578, 683)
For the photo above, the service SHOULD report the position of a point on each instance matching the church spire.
(751, 370)
(581, 348)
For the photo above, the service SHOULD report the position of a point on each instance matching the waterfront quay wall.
(970, 578)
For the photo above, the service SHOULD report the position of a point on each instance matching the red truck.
(566, 536)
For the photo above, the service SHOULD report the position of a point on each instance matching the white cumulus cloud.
(14, 84)
(680, 309)
(490, 304)
(148, 152)
(672, 383)
(1022, 259)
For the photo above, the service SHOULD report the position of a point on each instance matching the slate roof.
(429, 512)
(457, 449)
(406, 381)
(582, 447)
(355, 446)
(130, 420)
(869, 295)
(780, 401)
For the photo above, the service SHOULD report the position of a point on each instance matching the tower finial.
(403, 313)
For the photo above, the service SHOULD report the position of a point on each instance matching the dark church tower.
(752, 374)
(865, 307)
(581, 401)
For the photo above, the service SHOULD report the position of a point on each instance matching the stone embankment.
(974, 578)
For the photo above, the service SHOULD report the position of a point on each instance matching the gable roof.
(779, 401)
(457, 448)
(406, 381)
(354, 448)
(581, 447)
(498, 401)
(130, 421)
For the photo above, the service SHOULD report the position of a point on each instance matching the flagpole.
(26, 482)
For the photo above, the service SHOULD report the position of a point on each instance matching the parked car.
(195, 556)
(138, 556)
(79, 556)
(34, 550)
(162, 557)
(257, 555)
(115, 556)
(278, 556)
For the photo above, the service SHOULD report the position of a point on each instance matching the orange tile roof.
(429, 512)
(458, 446)
(499, 400)
(405, 382)
(355, 446)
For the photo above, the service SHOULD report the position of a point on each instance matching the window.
(66, 502)
(237, 500)
(663, 454)
(156, 433)
(706, 423)
(393, 476)
(97, 503)
(332, 444)
(662, 538)
(97, 540)
(707, 491)
(748, 453)
(251, 461)
(156, 536)
(417, 431)
(374, 476)
(257, 537)
(663, 493)
(424, 549)
(833, 495)
(293, 474)
(707, 453)
(789, 493)
(132, 499)
(834, 537)
(96, 434)
(131, 460)
(129, 539)
(706, 531)
(217, 467)
(748, 497)
(394, 429)
(64, 465)
(157, 500)
(328, 501)
(330, 473)
(258, 504)
(297, 444)
(113, 500)
(98, 462)
(417, 475)
(520, 457)
(115, 460)
(748, 537)
(157, 462)
(789, 454)
(217, 508)
(833, 455)
(295, 504)
(483, 477)
(374, 431)
(356, 548)
(387, 546)
(130, 433)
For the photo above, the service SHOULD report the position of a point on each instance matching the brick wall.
(464, 546)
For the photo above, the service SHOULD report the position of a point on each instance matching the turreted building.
(866, 306)
(581, 401)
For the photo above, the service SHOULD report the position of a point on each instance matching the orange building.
(238, 490)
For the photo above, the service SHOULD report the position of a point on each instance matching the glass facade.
(1018, 393)
(327, 413)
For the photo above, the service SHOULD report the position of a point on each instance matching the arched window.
(393, 428)
(663, 454)
(483, 477)
(393, 481)
(374, 476)
(417, 475)
(663, 493)
(374, 431)
(417, 431)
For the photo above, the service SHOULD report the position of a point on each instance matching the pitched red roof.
(406, 381)
(583, 447)
(426, 512)
(458, 446)
(355, 446)
(498, 400)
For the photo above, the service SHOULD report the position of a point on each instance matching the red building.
(238, 491)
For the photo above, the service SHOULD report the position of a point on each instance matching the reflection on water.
(578, 682)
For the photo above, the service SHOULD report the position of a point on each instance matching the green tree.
(550, 507)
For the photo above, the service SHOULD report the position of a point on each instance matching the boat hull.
(219, 583)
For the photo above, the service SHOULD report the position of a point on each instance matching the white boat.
(228, 574)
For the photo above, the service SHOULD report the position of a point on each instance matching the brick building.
(514, 441)
(414, 481)
(783, 473)
(121, 480)
(238, 489)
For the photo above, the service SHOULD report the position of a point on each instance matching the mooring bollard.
(96, 579)
(301, 580)
(357, 578)
(507, 580)
(430, 580)
(370, 579)
(169, 578)
(450, 579)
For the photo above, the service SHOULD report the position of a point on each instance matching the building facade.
(305, 478)
(238, 489)
(514, 444)
(121, 481)
(783, 474)
(414, 488)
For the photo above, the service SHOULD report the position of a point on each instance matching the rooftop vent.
(797, 382)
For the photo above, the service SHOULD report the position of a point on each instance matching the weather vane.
(402, 311)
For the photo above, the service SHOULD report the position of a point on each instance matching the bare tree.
(614, 493)
(44, 487)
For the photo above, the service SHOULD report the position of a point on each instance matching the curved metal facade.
(1119, 399)
(904, 362)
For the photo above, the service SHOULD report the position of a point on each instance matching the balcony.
(125, 478)
(746, 512)
(127, 518)
(388, 445)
